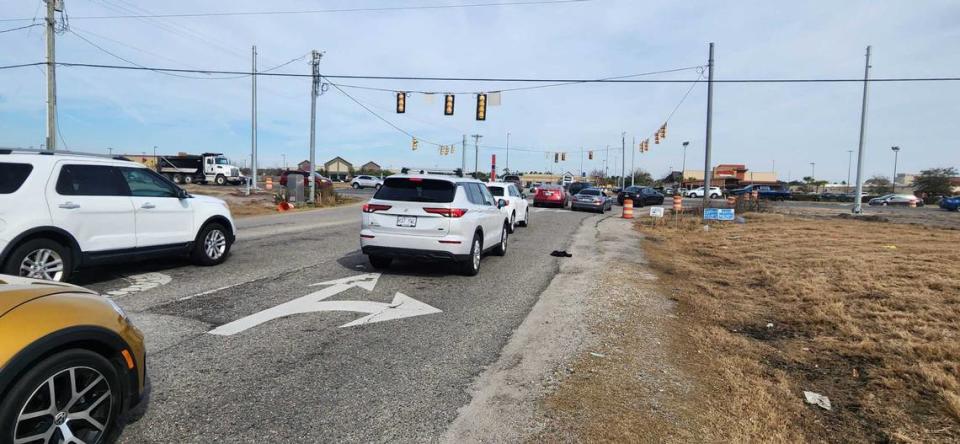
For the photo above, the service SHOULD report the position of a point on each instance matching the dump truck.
(204, 168)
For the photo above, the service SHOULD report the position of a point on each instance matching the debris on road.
(817, 399)
(598, 355)
(560, 253)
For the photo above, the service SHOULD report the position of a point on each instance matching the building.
(304, 166)
(370, 168)
(905, 179)
(338, 168)
(726, 176)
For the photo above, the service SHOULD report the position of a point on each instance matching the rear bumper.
(411, 253)
(590, 205)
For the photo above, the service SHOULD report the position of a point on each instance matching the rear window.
(12, 176)
(416, 190)
(496, 191)
(590, 192)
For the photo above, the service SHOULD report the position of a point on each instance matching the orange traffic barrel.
(269, 184)
(677, 203)
(628, 208)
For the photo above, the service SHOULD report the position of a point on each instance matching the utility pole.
(849, 162)
(623, 158)
(581, 164)
(707, 171)
(606, 163)
(813, 171)
(857, 206)
(51, 76)
(463, 156)
(476, 155)
(683, 166)
(633, 155)
(508, 152)
(314, 93)
(253, 122)
(893, 181)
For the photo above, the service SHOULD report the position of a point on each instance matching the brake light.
(415, 179)
(370, 208)
(447, 212)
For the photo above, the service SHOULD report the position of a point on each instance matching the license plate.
(406, 221)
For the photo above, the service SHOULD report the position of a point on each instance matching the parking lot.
(306, 377)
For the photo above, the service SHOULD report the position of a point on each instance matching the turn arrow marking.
(403, 306)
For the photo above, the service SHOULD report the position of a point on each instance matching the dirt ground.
(930, 215)
(257, 203)
(864, 313)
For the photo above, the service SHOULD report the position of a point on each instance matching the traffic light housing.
(401, 102)
(556, 157)
(448, 104)
(481, 106)
(414, 144)
(563, 157)
(590, 155)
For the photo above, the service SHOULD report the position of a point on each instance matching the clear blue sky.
(758, 124)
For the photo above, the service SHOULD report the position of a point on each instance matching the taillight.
(370, 208)
(447, 212)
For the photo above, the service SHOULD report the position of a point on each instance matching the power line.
(22, 27)
(495, 79)
(316, 11)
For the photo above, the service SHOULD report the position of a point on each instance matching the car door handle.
(148, 206)
(69, 206)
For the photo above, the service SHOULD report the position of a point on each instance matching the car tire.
(526, 218)
(187, 179)
(377, 187)
(513, 222)
(212, 245)
(471, 267)
(72, 366)
(220, 180)
(380, 262)
(178, 179)
(50, 252)
(356, 186)
(501, 248)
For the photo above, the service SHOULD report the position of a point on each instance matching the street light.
(893, 182)
(849, 162)
(684, 167)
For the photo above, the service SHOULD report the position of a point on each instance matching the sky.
(780, 127)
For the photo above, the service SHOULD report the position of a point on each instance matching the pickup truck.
(764, 192)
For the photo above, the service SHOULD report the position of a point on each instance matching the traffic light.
(401, 102)
(563, 157)
(448, 105)
(481, 106)
(590, 155)
(663, 131)
(414, 144)
(656, 137)
(556, 157)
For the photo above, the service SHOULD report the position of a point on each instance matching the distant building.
(370, 168)
(338, 168)
(304, 166)
(727, 176)
(905, 179)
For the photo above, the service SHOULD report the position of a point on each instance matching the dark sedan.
(641, 196)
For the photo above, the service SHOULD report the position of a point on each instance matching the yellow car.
(71, 363)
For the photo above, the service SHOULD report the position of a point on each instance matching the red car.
(316, 176)
(550, 195)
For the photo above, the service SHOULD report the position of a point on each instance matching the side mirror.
(501, 203)
(182, 194)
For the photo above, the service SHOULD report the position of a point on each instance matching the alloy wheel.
(215, 244)
(476, 254)
(42, 263)
(72, 406)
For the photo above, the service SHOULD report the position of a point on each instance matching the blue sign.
(718, 214)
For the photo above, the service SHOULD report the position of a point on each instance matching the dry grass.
(865, 313)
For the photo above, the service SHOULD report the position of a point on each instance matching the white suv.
(715, 192)
(365, 182)
(433, 218)
(62, 211)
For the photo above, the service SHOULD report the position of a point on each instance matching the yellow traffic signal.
(448, 105)
(401, 102)
(481, 106)
(414, 144)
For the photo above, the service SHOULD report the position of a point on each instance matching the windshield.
(416, 189)
(222, 161)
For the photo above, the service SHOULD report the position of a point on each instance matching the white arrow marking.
(402, 306)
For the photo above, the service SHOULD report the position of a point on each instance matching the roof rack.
(434, 171)
(45, 152)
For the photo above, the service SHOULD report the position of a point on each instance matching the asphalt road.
(304, 378)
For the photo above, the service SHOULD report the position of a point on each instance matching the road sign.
(656, 211)
(718, 214)
(402, 306)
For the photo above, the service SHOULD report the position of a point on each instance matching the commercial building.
(726, 176)
(338, 168)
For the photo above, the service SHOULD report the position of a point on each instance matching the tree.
(935, 181)
(878, 184)
(641, 177)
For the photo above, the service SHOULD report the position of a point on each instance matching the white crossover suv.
(365, 181)
(715, 192)
(517, 206)
(433, 217)
(61, 211)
